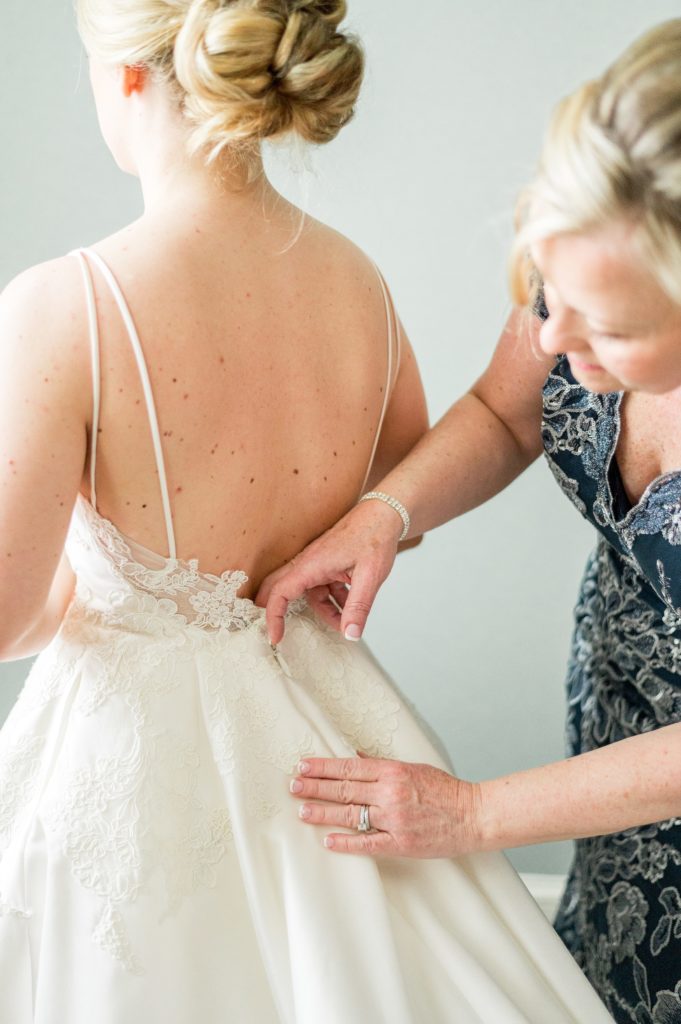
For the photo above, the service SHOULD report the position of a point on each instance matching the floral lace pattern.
(123, 818)
(621, 912)
(161, 722)
(19, 767)
(357, 702)
(197, 598)
(114, 820)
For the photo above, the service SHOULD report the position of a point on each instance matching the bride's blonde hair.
(613, 153)
(242, 70)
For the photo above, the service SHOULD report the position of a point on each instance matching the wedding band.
(364, 825)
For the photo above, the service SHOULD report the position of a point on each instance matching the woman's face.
(618, 328)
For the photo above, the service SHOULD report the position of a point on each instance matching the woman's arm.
(483, 443)
(405, 422)
(421, 811)
(45, 403)
(43, 630)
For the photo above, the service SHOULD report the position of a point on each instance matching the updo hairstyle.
(613, 153)
(242, 70)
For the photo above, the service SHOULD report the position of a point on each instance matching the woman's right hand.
(340, 572)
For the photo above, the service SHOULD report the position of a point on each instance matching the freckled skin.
(300, 359)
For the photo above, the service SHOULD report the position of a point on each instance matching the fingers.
(262, 597)
(365, 770)
(275, 613)
(370, 844)
(290, 586)
(291, 582)
(359, 601)
(337, 815)
(343, 792)
(322, 604)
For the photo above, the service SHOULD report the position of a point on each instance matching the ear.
(134, 79)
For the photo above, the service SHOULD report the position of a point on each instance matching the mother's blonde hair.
(612, 153)
(242, 70)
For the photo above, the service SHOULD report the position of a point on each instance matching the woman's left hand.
(415, 810)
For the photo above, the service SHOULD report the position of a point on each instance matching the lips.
(577, 364)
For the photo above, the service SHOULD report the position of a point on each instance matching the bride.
(175, 400)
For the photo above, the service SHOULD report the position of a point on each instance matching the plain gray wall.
(474, 625)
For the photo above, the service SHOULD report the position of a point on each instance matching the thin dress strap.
(393, 332)
(96, 379)
(144, 376)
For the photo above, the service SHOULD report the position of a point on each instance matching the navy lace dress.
(621, 912)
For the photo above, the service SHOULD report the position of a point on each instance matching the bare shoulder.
(345, 263)
(36, 294)
(43, 321)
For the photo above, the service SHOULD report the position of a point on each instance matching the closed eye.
(607, 335)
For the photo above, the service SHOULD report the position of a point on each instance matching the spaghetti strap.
(393, 332)
(144, 376)
(96, 377)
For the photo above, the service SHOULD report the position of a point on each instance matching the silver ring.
(364, 825)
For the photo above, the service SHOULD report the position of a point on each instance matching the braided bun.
(254, 70)
(244, 70)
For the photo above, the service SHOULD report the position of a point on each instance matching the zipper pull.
(279, 658)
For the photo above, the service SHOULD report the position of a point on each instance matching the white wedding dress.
(153, 869)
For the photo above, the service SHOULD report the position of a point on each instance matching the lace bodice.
(116, 574)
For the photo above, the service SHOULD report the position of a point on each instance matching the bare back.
(269, 371)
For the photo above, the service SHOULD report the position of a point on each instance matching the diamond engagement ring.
(364, 825)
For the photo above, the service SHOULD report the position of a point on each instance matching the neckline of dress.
(612, 463)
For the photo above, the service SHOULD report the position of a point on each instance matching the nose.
(560, 333)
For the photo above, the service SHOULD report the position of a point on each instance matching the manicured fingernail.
(328, 842)
(353, 632)
(304, 812)
(296, 786)
(303, 767)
